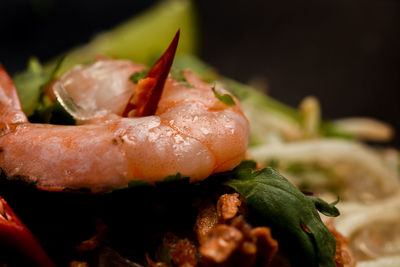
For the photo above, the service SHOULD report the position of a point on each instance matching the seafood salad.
(160, 171)
(110, 157)
(185, 132)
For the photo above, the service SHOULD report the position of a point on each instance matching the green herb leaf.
(138, 76)
(29, 84)
(225, 98)
(170, 180)
(138, 183)
(292, 216)
(54, 72)
(173, 179)
(178, 75)
(326, 208)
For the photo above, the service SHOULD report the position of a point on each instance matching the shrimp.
(191, 133)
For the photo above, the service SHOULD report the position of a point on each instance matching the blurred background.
(345, 52)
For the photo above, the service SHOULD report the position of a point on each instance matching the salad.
(180, 220)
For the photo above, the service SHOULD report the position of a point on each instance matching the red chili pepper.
(150, 88)
(14, 233)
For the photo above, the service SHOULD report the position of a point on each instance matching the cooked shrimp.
(102, 86)
(191, 133)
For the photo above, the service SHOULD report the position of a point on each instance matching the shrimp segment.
(91, 86)
(191, 133)
(10, 106)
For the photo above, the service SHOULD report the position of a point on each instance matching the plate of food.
(127, 153)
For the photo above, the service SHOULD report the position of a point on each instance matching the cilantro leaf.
(292, 216)
(224, 98)
(135, 77)
(178, 75)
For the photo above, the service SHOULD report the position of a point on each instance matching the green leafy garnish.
(138, 183)
(292, 216)
(153, 28)
(225, 98)
(170, 180)
(190, 61)
(138, 76)
(173, 179)
(29, 85)
(46, 110)
(178, 75)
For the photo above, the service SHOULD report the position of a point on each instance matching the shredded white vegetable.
(270, 123)
(366, 178)
(330, 152)
(311, 116)
(393, 261)
(365, 223)
(366, 129)
(354, 216)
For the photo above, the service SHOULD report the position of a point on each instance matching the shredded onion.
(372, 228)
(393, 261)
(332, 153)
(366, 129)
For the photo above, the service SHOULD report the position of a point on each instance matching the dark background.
(345, 52)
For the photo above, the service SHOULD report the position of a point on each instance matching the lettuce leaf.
(29, 85)
(292, 216)
(142, 38)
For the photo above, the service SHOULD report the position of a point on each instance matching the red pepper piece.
(14, 233)
(151, 87)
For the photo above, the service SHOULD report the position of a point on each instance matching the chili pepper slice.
(150, 88)
(14, 233)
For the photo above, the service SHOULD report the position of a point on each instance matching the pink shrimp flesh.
(192, 133)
